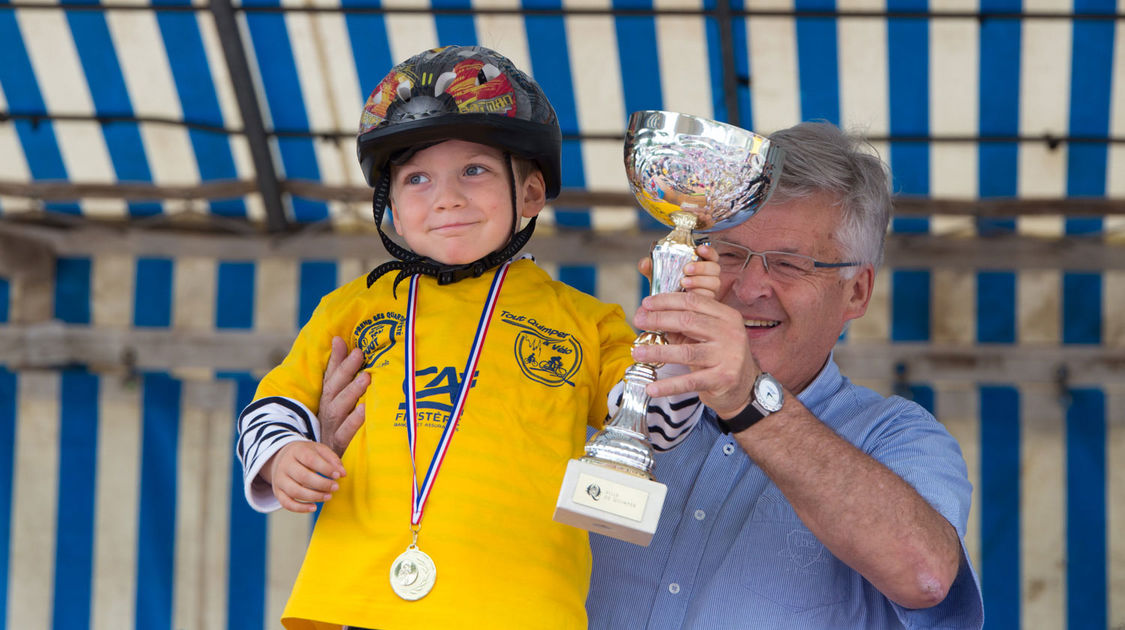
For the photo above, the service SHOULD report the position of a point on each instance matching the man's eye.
(789, 264)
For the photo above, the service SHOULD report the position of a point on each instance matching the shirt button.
(673, 588)
(700, 515)
(728, 449)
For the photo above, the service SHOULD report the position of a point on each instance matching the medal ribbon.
(419, 495)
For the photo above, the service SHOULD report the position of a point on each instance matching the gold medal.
(412, 574)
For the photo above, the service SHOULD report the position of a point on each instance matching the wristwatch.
(766, 397)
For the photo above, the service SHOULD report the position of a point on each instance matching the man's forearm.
(864, 513)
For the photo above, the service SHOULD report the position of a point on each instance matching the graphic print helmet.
(467, 93)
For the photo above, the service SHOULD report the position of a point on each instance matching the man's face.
(793, 324)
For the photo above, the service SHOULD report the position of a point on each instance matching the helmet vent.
(487, 73)
(404, 89)
(443, 82)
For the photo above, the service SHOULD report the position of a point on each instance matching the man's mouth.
(761, 323)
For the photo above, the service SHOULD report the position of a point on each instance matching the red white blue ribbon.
(421, 493)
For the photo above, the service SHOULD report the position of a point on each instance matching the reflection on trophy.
(694, 175)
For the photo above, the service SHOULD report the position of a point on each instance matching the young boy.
(484, 373)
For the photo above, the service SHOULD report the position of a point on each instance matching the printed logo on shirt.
(544, 354)
(806, 554)
(376, 335)
(437, 390)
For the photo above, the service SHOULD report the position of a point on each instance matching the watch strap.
(742, 420)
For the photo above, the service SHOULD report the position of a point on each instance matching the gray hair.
(820, 158)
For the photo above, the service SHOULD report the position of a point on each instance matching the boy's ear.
(534, 194)
(392, 215)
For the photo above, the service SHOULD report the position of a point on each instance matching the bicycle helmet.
(457, 92)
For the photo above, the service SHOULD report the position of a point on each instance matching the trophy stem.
(672, 253)
(623, 444)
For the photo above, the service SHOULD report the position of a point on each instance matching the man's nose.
(753, 281)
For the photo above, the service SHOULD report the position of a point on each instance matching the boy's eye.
(475, 169)
(416, 178)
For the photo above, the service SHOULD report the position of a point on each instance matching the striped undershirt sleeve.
(265, 426)
(670, 418)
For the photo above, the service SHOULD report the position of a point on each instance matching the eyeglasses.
(779, 265)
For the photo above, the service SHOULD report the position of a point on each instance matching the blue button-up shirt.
(730, 552)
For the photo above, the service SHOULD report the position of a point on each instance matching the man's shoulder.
(859, 412)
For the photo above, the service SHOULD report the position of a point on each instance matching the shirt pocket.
(785, 563)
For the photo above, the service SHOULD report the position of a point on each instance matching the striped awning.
(247, 110)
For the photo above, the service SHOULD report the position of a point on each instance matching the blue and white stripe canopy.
(130, 338)
(126, 110)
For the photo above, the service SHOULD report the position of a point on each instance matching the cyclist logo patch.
(545, 355)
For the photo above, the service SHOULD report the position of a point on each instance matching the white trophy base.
(609, 502)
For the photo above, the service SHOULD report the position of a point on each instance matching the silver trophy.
(694, 175)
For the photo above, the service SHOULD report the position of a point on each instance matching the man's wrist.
(766, 397)
(739, 422)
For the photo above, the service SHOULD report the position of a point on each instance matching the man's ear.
(857, 292)
(534, 195)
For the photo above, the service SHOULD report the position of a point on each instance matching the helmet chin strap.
(409, 263)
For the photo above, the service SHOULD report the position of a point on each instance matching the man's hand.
(707, 336)
(340, 412)
(302, 474)
(701, 277)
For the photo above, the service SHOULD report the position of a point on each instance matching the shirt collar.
(827, 382)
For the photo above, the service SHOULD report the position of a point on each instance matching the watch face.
(769, 394)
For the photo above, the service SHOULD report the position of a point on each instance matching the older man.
(800, 500)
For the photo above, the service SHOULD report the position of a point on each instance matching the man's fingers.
(694, 325)
(350, 395)
(346, 431)
(353, 362)
(339, 351)
(342, 368)
(697, 356)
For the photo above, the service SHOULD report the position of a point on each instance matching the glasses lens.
(789, 266)
(731, 257)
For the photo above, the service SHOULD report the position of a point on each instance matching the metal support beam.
(726, 51)
(569, 197)
(248, 105)
(53, 345)
(919, 251)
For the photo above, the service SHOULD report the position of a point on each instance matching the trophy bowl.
(717, 172)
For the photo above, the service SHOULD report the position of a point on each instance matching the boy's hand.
(340, 413)
(701, 276)
(303, 473)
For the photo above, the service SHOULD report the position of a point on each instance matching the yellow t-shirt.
(550, 358)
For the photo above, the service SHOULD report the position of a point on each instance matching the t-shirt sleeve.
(615, 338)
(919, 449)
(670, 418)
(285, 405)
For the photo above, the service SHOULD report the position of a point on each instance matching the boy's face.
(451, 201)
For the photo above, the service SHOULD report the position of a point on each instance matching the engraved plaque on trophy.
(694, 175)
